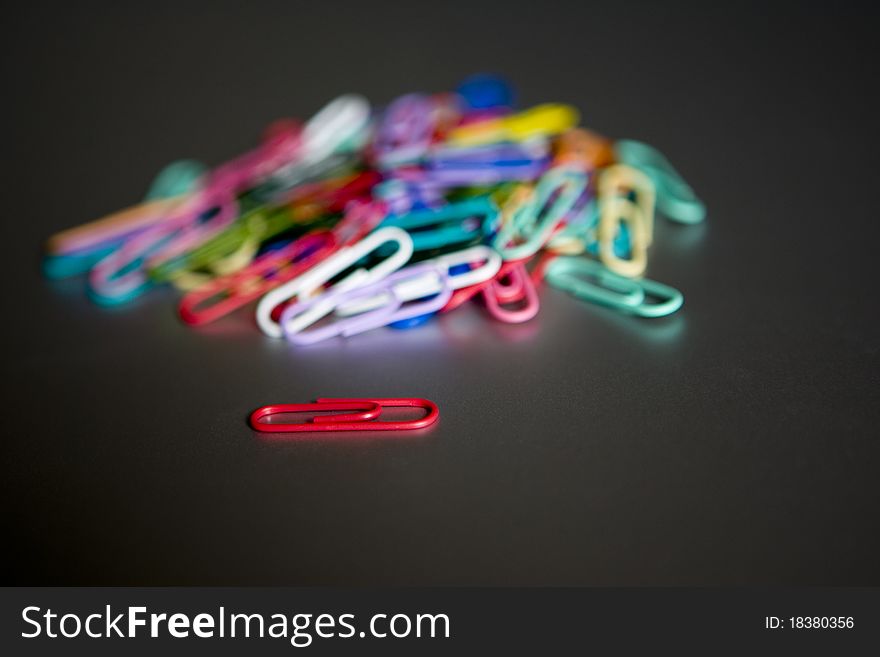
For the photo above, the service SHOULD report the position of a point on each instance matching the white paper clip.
(308, 282)
(341, 126)
(426, 285)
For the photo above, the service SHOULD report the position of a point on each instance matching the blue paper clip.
(419, 320)
(412, 322)
(403, 196)
(486, 164)
(485, 91)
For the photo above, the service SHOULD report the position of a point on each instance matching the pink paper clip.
(122, 275)
(467, 293)
(221, 296)
(225, 294)
(514, 287)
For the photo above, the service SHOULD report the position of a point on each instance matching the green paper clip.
(179, 177)
(532, 224)
(238, 243)
(675, 198)
(589, 280)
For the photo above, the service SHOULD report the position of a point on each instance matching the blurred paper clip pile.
(360, 219)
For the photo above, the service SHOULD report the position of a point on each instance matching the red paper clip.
(366, 420)
(511, 285)
(313, 200)
(467, 293)
(222, 295)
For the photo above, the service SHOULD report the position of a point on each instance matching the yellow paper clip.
(227, 252)
(540, 121)
(625, 195)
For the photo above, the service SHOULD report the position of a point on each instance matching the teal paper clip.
(583, 228)
(452, 224)
(533, 223)
(57, 267)
(179, 177)
(591, 281)
(621, 244)
(675, 198)
(119, 298)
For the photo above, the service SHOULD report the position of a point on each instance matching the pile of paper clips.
(357, 220)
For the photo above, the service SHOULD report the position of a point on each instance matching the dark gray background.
(735, 442)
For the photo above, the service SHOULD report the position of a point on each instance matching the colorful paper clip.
(122, 275)
(309, 201)
(308, 283)
(481, 264)
(225, 253)
(219, 297)
(368, 419)
(355, 220)
(298, 317)
(506, 288)
(225, 294)
(76, 250)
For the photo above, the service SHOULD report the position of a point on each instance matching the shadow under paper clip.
(345, 437)
(440, 333)
(71, 291)
(461, 327)
(656, 331)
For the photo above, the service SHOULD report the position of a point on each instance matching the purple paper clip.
(476, 166)
(122, 275)
(403, 196)
(397, 309)
(405, 132)
(497, 155)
